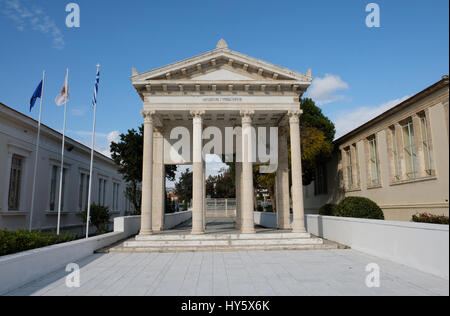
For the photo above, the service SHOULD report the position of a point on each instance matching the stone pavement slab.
(245, 273)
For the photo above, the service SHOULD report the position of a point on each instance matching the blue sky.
(359, 71)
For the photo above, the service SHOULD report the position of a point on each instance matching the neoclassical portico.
(222, 89)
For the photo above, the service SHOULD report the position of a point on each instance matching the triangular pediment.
(222, 74)
(221, 64)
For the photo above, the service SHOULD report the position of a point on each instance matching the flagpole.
(88, 215)
(37, 154)
(62, 154)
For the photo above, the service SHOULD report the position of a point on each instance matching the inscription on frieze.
(224, 99)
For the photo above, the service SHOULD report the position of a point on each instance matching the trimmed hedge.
(359, 207)
(328, 210)
(430, 219)
(21, 240)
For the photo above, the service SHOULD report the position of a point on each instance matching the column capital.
(159, 130)
(294, 116)
(247, 116)
(148, 115)
(197, 113)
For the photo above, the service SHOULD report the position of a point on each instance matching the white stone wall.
(18, 135)
(421, 246)
(21, 268)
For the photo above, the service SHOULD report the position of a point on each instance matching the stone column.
(238, 182)
(197, 181)
(297, 181)
(282, 182)
(147, 174)
(204, 196)
(247, 216)
(158, 181)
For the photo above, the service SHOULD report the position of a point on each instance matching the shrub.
(100, 217)
(359, 207)
(328, 210)
(430, 219)
(21, 240)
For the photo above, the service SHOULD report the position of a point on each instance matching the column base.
(197, 232)
(145, 232)
(299, 230)
(248, 231)
(284, 228)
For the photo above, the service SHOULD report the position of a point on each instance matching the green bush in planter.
(328, 210)
(359, 207)
(21, 240)
(100, 217)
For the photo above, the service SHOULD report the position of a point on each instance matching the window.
(355, 150)
(54, 188)
(63, 195)
(320, 184)
(348, 167)
(426, 143)
(409, 149)
(102, 192)
(53, 181)
(116, 187)
(87, 192)
(373, 162)
(81, 191)
(15, 182)
(395, 155)
(83, 194)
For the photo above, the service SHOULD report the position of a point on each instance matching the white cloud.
(29, 17)
(78, 111)
(102, 140)
(347, 121)
(323, 90)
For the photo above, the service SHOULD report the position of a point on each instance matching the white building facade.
(400, 160)
(18, 135)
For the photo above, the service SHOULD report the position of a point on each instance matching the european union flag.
(37, 94)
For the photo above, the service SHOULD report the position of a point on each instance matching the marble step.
(222, 242)
(172, 249)
(287, 235)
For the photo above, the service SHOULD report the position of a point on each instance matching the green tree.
(221, 185)
(317, 135)
(128, 154)
(183, 188)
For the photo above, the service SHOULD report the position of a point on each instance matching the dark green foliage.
(221, 186)
(169, 206)
(183, 188)
(313, 117)
(430, 219)
(328, 210)
(100, 217)
(317, 135)
(21, 240)
(359, 207)
(128, 154)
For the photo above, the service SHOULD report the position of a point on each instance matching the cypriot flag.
(64, 96)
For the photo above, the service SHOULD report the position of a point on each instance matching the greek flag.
(97, 80)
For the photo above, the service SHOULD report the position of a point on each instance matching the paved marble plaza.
(260, 273)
